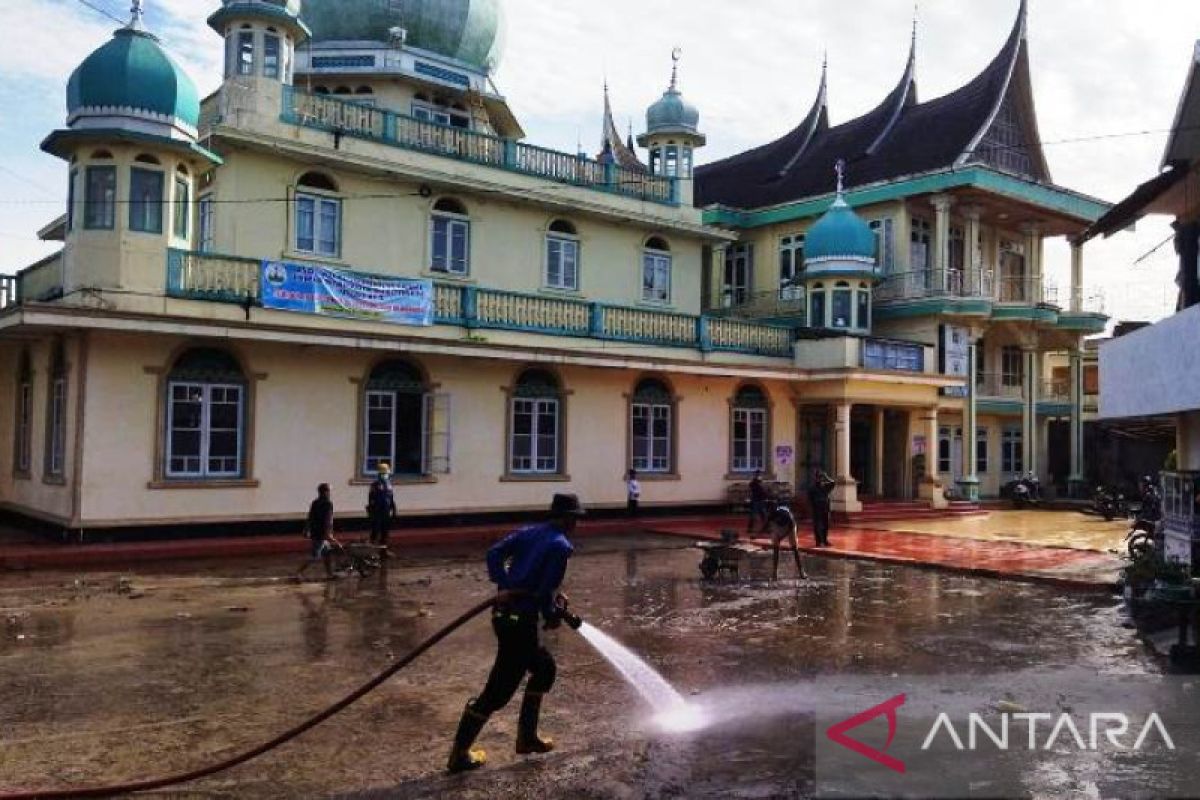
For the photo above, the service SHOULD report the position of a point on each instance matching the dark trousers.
(381, 526)
(820, 521)
(518, 651)
(631, 506)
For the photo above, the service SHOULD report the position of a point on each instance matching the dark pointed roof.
(612, 145)
(899, 137)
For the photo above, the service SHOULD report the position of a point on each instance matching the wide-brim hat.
(566, 505)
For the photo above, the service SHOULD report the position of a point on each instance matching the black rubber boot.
(462, 756)
(528, 741)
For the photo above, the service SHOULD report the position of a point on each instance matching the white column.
(845, 494)
(1076, 277)
(930, 488)
(1077, 481)
(970, 481)
(973, 283)
(941, 239)
(717, 277)
(1029, 434)
(1033, 263)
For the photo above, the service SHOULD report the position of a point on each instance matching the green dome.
(840, 234)
(672, 114)
(132, 73)
(470, 31)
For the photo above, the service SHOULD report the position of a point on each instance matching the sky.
(1107, 72)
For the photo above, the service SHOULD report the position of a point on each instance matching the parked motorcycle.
(1143, 538)
(1109, 503)
(1025, 491)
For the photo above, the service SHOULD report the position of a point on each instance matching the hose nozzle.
(563, 606)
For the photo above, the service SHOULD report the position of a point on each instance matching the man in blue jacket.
(528, 568)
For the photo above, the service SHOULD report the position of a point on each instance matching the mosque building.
(349, 255)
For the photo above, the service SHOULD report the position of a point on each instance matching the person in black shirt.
(819, 490)
(782, 525)
(758, 505)
(319, 530)
(381, 506)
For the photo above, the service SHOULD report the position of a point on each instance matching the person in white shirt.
(633, 492)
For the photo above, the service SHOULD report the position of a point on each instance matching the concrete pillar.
(716, 277)
(1029, 435)
(845, 494)
(1033, 263)
(1077, 481)
(973, 284)
(931, 489)
(877, 462)
(1076, 278)
(941, 240)
(970, 482)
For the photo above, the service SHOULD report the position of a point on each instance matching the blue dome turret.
(671, 113)
(285, 13)
(132, 76)
(840, 235)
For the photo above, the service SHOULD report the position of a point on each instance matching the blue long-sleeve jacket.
(532, 560)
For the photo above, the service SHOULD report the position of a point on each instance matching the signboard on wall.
(785, 455)
(337, 293)
(955, 357)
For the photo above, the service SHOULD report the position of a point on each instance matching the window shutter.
(437, 434)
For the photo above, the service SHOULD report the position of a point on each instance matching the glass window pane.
(329, 224)
(100, 198)
(270, 56)
(183, 207)
(305, 223)
(145, 200)
(245, 53)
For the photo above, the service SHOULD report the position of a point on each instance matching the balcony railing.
(232, 279)
(926, 283)
(399, 130)
(1055, 391)
(1005, 386)
(789, 302)
(8, 291)
(1087, 301)
(1026, 291)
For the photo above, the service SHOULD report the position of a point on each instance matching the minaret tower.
(131, 142)
(673, 135)
(261, 37)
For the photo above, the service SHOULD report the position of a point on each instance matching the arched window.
(100, 193)
(842, 306)
(749, 430)
(343, 90)
(450, 238)
(182, 208)
(146, 195)
(562, 256)
(245, 51)
(271, 54)
(394, 416)
(23, 445)
(56, 418)
(816, 306)
(656, 271)
(320, 90)
(364, 96)
(318, 216)
(652, 427)
(535, 424)
(862, 319)
(205, 416)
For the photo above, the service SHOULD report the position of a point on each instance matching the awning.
(1134, 207)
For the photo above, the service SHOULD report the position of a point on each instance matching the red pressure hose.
(286, 736)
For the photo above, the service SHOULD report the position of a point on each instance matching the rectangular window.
(945, 444)
(980, 363)
(843, 306)
(183, 207)
(71, 199)
(56, 454)
(204, 430)
(739, 275)
(893, 356)
(885, 246)
(534, 446)
(270, 56)
(1012, 366)
(791, 267)
(919, 249)
(206, 239)
(100, 198)
(451, 245)
(863, 318)
(381, 430)
(24, 454)
(981, 451)
(1011, 451)
(145, 200)
(749, 439)
(958, 249)
(672, 166)
(656, 277)
(562, 263)
(318, 224)
(245, 53)
(651, 437)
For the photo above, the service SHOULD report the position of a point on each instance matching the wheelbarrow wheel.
(708, 567)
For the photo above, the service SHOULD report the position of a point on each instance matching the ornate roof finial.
(840, 168)
(135, 16)
(676, 54)
(916, 13)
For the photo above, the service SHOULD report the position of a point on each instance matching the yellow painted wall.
(306, 422)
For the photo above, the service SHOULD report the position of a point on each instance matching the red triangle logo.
(837, 733)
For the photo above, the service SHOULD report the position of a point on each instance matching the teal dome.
(840, 234)
(132, 73)
(672, 114)
(470, 31)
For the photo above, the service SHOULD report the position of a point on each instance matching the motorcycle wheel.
(1140, 545)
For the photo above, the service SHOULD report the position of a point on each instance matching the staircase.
(892, 510)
